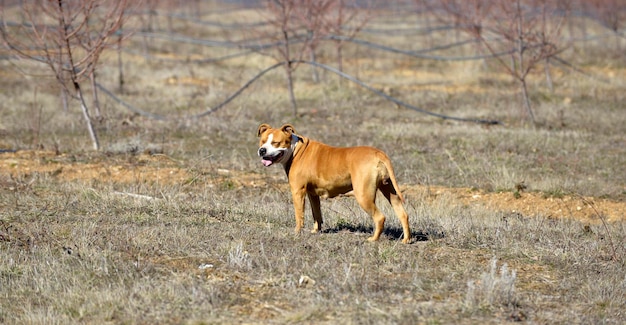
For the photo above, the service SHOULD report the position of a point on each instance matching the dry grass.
(81, 253)
(181, 237)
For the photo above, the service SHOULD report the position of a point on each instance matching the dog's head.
(276, 145)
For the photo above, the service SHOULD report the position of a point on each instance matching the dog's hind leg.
(317, 212)
(365, 194)
(394, 199)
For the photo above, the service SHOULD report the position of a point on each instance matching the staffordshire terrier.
(318, 170)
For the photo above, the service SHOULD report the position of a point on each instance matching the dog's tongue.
(266, 162)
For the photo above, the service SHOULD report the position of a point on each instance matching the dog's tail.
(387, 162)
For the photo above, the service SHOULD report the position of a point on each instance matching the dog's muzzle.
(268, 160)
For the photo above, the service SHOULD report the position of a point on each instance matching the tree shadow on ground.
(394, 233)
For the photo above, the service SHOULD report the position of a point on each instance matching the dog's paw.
(372, 239)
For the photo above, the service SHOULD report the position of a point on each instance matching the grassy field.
(177, 221)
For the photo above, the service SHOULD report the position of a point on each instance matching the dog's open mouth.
(268, 160)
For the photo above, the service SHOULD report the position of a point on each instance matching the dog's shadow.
(393, 233)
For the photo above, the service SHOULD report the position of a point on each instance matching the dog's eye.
(275, 143)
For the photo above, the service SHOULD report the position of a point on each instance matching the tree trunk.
(288, 67)
(549, 75)
(339, 52)
(94, 91)
(315, 74)
(526, 100)
(90, 128)
(120, 65)
(292, 96)
(64, 95)
(521, 68)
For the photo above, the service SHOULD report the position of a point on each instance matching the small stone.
(306, 282)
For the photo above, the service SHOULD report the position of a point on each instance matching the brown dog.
(319, 170)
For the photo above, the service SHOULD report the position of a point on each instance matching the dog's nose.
(262, 152)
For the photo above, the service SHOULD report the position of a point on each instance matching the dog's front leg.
(298, 206)
(317, 212)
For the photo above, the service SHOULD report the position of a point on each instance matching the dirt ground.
(161, 169)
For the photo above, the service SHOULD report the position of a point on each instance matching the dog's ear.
(262, 128)
(288, 128)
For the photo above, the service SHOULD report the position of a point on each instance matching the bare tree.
(611, 13)
(68, 36)
(345, 23)
(528, 30)
(312, 15)
(283, 32)
(298, 26)
(288, 21)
